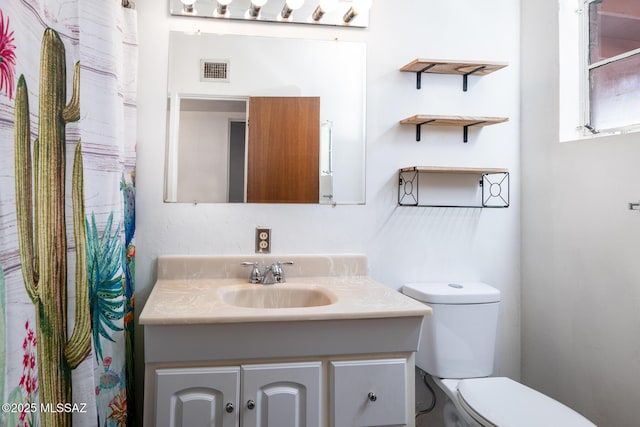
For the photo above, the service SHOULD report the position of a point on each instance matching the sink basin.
(276, 296)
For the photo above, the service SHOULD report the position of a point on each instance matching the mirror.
(212, 82)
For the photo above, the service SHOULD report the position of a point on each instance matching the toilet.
(457, 347)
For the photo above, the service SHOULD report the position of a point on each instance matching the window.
(612, 65)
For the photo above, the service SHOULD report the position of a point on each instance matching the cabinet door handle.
(372, 396)
(251, 404)
(229, 407)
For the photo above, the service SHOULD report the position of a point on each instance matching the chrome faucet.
(273, 273)
(269, 275)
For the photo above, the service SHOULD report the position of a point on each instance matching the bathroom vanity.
(330, 347)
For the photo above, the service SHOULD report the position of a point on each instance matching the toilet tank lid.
(452, 292)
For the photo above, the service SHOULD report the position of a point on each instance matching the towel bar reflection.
(634, 206)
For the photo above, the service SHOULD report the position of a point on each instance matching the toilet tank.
(458, 340)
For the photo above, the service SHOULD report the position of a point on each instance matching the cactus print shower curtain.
(67, 223)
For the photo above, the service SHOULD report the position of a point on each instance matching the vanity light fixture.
(187, 6)
(312, 12)
(254, 10)
(289, 7)
(358, 6)
(324, 7)
(222, 10)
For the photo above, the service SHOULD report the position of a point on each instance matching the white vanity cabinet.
(277, 394)
(278, 356)
(197, 397)
(331, 392)
(368, 393)
(281, 394)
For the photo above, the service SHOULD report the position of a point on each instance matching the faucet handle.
(254, 276)
(278, 271)
(279, 264)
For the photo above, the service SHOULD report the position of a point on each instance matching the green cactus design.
(106, 290)
(42, 235)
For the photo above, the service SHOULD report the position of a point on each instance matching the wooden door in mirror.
(284, 140)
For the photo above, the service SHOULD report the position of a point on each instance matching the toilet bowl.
(457, 348)
(500, 401)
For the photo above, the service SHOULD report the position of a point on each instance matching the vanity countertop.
(196, 299)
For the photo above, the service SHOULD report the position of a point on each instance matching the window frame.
(586, 67)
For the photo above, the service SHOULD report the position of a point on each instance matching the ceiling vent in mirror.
(214, 70)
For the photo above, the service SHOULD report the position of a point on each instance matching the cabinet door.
(282, 395)
(197, 397)
(369, 393)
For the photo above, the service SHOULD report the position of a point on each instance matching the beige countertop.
(196, 298)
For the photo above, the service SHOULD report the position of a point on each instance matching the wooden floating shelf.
(452, 67)
(443, 66)
(433, 120)
(464, 121)
(449, 169)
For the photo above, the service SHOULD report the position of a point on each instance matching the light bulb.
(323, 7)
(187, 5)
(295, 4)
(328, 5)
(357, 7)
(361, 5)
(221, 10)
(289, 7)
(254, 10)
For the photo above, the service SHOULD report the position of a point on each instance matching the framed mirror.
(213, 82)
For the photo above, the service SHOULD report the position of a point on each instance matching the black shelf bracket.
(495, 191)
(419, 126)
(465, 130)
(419, 75)
(464, 76)
(408, 188)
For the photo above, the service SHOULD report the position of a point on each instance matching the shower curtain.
(67, 221)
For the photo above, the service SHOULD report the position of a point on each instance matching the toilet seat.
(502, 402)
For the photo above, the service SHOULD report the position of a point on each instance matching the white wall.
(580, 252)
(204, 146)
(403, 244)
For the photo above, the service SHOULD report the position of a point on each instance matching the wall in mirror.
(212, 82)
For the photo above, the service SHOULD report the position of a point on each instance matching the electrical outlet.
(263, 240)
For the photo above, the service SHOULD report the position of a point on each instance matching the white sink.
(213, 291)
(281, 295)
